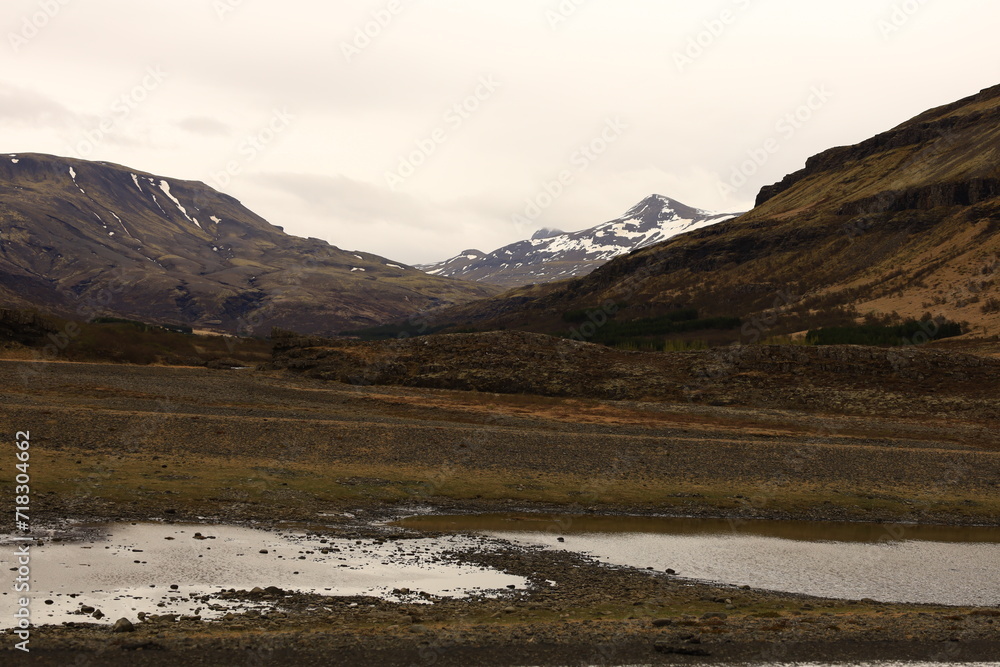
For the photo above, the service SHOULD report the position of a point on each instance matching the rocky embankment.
(524, 363)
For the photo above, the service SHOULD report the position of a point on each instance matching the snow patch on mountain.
(551, 254)
(165, 187)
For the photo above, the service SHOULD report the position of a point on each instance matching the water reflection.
(812, 531)
(923, 564)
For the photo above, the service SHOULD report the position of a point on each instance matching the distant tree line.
(910, 332)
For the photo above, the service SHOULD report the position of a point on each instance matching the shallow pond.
(897, 563)
(841, 664)
(125, 569)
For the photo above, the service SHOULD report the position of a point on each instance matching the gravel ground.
(532, 453)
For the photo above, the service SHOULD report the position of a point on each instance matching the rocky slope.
(80, 239)
(552, 254)
(511, 362)
(906, 222)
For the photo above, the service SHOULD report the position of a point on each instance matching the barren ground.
(136, 443)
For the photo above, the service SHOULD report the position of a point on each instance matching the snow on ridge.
(654, 220)
(165, 187)
(124, 228)
(395, 266)
(135, 179)
(72, 174)
(215, 219)
(157, 202)
(14, 160)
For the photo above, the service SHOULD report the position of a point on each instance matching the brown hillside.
(906, 222)
(79, 239)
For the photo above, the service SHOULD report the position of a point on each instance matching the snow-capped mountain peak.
(553, 255)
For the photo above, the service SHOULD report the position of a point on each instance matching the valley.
(677, 437)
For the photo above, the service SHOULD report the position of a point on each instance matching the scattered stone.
(123, 625)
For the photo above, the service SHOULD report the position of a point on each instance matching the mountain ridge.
(552, 254)
(173, 251)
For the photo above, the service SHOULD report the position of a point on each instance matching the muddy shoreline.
(598, 614)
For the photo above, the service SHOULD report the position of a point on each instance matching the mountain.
(902, 225)
(552, 254)
(81, 238)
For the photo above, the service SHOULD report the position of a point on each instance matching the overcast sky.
(339, 119)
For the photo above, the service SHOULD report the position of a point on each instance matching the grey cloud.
(24, 106)
(209, 127)
(344, 199)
